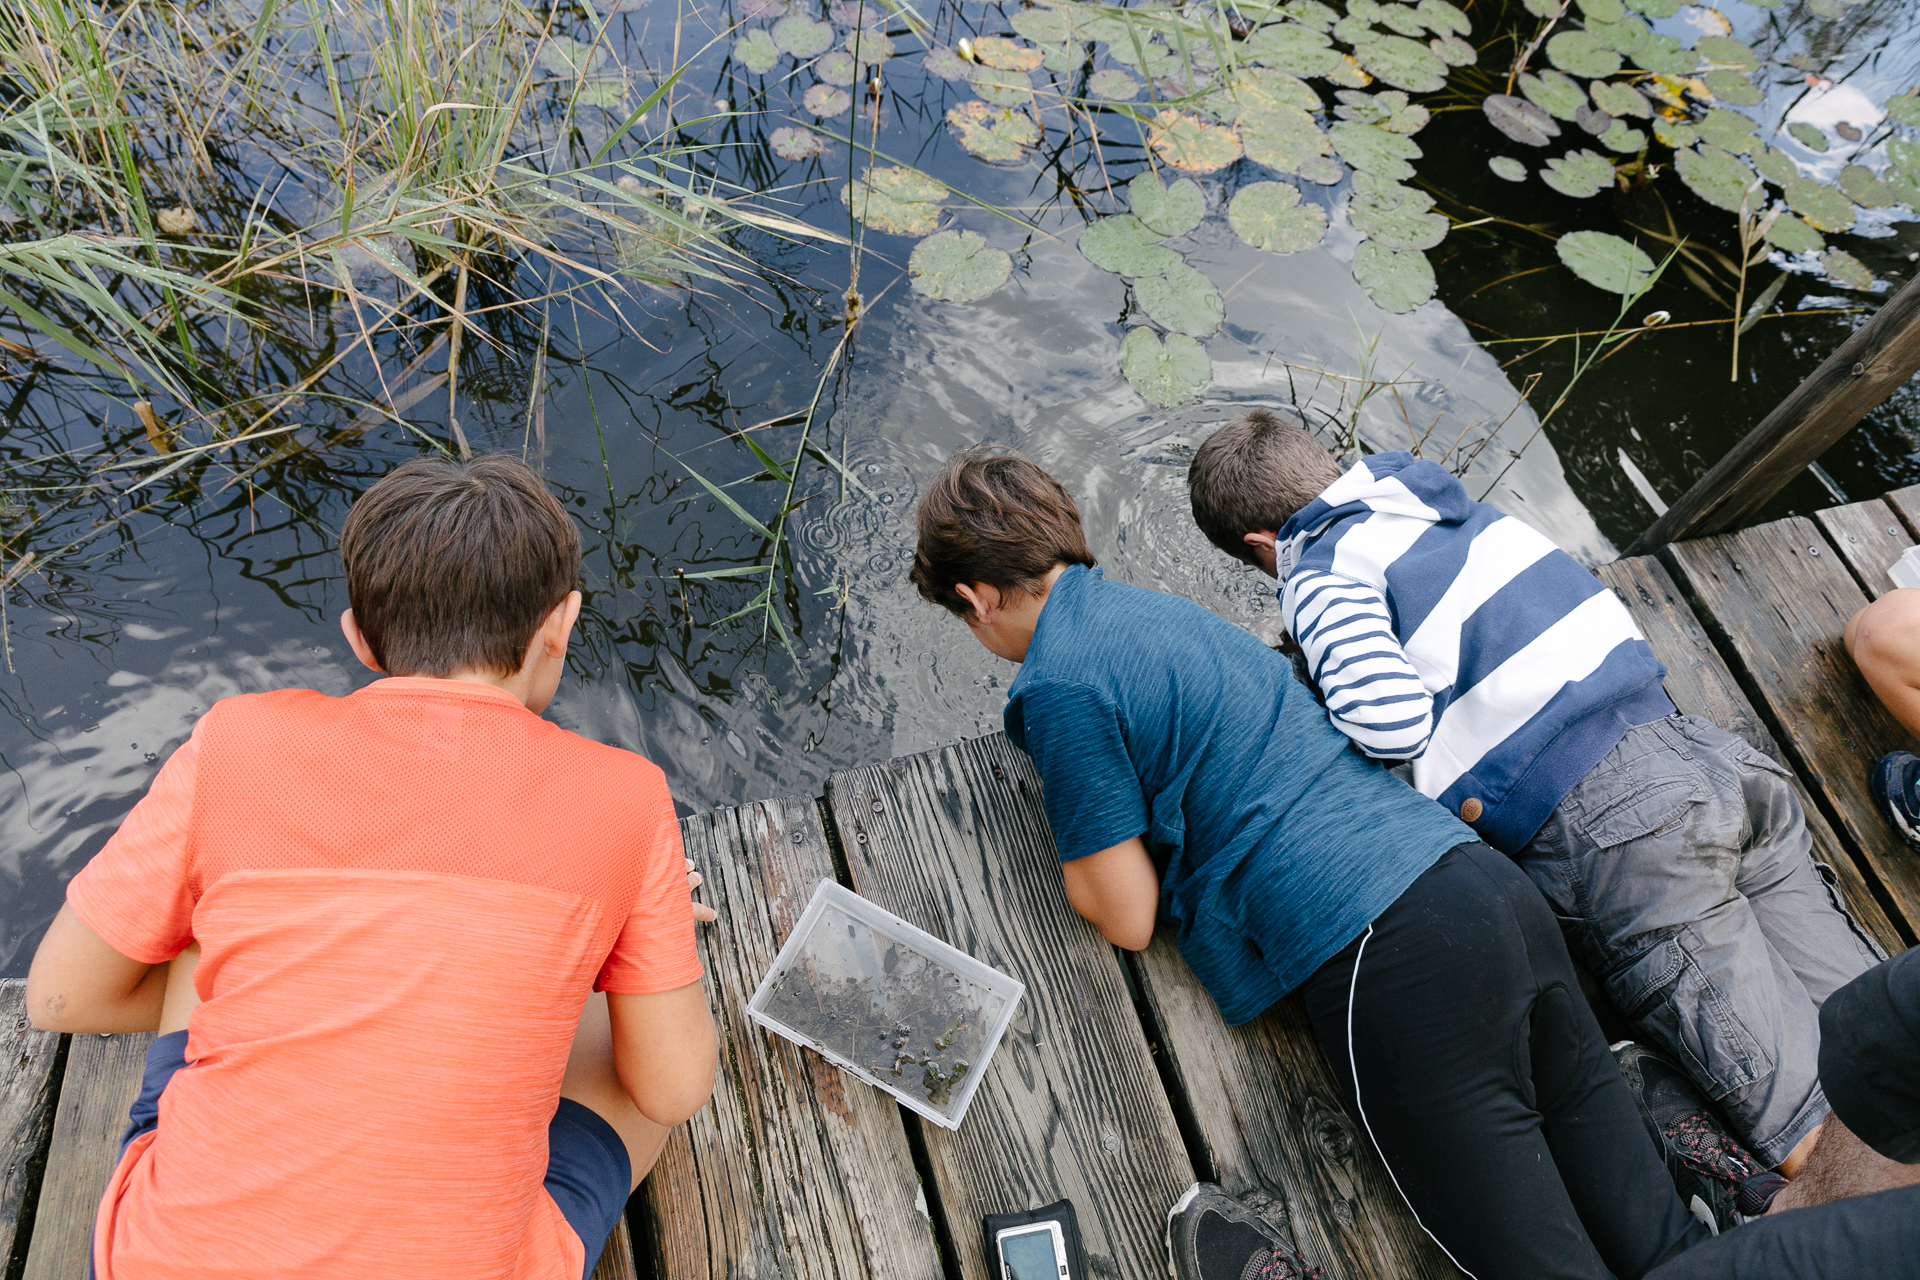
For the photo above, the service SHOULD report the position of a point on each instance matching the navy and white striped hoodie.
(1443, 632)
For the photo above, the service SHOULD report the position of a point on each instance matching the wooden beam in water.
(1778, 598)
(955, 841)
(100, 1083)
(1869, 366)
(27, 1061)
(1700, 684)
(795, 1171)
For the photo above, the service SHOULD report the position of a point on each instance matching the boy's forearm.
(79, 983)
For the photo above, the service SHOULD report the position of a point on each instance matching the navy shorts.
(588, 1171)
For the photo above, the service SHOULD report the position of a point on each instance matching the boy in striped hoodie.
(1445, 634)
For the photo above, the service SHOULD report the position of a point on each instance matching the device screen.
(1029, 1256)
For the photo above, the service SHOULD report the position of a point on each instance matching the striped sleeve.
(1373, 693)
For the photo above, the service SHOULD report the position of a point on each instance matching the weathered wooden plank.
(1268, 1114)
(1875, 361)
(956, 842)
(1700, 684)
(616, 1261)
(1869, 537)
(1906, 504)
(27, 1061)
(99, 1084)
(795, 1170)
(1779, 602)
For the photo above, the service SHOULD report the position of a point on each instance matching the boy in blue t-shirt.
(1188, 778)
(1446, 634)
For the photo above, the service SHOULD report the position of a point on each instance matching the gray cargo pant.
(1682, 873)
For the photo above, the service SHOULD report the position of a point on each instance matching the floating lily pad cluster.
(1618, 97)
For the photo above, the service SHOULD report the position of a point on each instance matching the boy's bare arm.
(1117, 891)
(665, 1051)
(79, 983)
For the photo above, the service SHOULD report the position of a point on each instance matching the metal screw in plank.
(878, 807)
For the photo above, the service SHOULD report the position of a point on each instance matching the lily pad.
(1006, 55)
(1003, 88)
(1403, 63)
(1401, 19)
(1579, 174)
(1255, 88)
(1605, 261)
(896, 200)
(1618, 99)
(1733, 88)
(1396, 216)
(1808, 136)
(1864, 189)
(995, 134)
(759, 8)
(1602, 10)
(1166, 211)
(1593, 120)
(857, 13)
(1543, 8)
(1270, 216)
(1125, 246)
(1663, 55)
(1520, 119)
(1554, 93)
(1346, 72)
(827, 100)
(1623, 137)
(757, 51)
(837, 68)
(1355, 31)
(948, 65)
(790, 142)
(1507, 167)
(1905, 109)
(802, 37)
(1654, 8)
(1624, 37)
(1299, 50)
(1728, 130)
(1845, 269)
(565, 56)
(1324, 170)
(1165, 374)
(957, 266)
(1189, 143)
(1825, 207)
(1311, 13)
(1580, 53)
(870, 48)
(1282, 138)
(1775, 165)
(1113, 84)
(1045, 26)
(1794, 235)
(1396, 279)
(1375, 150)
(1183, 300)
(1453, 51)
(1726, 53)
(1674, 133)
(1715, 175)
(1444, 19)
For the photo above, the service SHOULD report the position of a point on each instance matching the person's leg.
(1842, 1166)
(1650, 850)
(1883, 640)
(1873, 1237)
(1466, 1053)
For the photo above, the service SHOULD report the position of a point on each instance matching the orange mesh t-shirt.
(402, 898)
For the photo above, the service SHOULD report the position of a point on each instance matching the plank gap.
(937, 1221)
(1183, 1113)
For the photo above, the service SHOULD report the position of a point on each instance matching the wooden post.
(1869, 366)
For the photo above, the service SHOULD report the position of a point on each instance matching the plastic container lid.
(889, 1002)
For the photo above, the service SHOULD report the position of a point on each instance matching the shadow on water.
(127, 613)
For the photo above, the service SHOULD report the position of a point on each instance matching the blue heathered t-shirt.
(1277, 843)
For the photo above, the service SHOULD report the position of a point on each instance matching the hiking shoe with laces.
(1706, 1162)
(1211, 1236)
(1895, 780)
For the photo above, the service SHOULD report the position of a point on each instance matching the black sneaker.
(1893, 781)
(1707, 1164)
(1211, 1236)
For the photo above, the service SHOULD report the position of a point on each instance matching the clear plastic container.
(891, 1003)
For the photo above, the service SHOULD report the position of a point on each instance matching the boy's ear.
(558, 628)
(1262, 544)
(358, 642)
(981, 597)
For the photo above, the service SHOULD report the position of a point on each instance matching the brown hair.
(1253, 475)
(452, 566)
(992, 516)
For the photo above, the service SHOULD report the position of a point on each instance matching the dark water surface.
(115, 648)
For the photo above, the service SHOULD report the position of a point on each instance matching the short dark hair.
(452, 566)
(992, 516)
(1254, 475)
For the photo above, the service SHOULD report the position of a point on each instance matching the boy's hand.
(702, 913)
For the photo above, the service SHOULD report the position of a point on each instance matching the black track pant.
(1874, 1237)
(1457, 1028)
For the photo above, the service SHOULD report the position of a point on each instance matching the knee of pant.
(1556, 1047)
(1673, 1002)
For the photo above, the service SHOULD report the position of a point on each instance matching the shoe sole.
(1179, 1206)
(1883, 800)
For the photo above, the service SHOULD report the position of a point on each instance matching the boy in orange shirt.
(372, 932)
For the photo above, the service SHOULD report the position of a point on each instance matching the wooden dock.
(1117, 1085)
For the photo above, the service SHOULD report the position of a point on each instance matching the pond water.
(127, 614)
